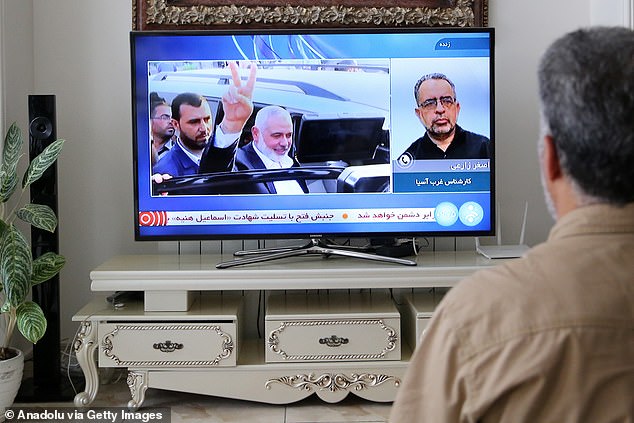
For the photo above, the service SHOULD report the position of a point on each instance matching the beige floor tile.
(351, 409)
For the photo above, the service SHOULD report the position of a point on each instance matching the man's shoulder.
(472, 136)
(481, 290)
(175, 162)
(415, 146)
(167, 162)
(535, 292)
(246, 149)
(247, 158)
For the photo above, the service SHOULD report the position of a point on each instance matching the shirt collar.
(166, 147)
(195, 158)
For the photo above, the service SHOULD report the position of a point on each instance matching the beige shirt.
(545, 338)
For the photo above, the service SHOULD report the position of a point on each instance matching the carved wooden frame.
(206, 14)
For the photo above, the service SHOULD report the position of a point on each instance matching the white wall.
(78, 50)
(16, 61)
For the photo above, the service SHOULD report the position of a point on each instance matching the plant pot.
(10, 380)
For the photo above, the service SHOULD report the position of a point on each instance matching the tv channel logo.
(446, 213)
(471, 213)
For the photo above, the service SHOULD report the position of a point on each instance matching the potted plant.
(18, 271)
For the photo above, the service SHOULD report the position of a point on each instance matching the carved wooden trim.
(333, 382)
(205, 14)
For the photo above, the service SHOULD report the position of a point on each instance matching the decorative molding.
(273, 342)
(84, 346)
(107, 346)
(201, 14)
(137, 383)
(333, 382)
(84, 335)
(135, 19)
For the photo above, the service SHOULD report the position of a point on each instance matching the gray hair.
(263, 115)
(586, 89)
(432, 76)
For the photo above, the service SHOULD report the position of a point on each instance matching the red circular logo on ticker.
(153, 218)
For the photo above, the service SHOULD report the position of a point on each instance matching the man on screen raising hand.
(237, 105)
(193, 120)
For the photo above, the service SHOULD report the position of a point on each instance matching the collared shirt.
(179, 161)
(282, 187)
(545, 338)
(193, 156)
(165, 148)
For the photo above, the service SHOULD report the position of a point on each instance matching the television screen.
(352, 133)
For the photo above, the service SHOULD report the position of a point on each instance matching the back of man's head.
(586, 87)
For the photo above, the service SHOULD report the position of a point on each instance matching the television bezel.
(322, 235)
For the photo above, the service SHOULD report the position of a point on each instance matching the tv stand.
(314, 246)
(330, 331)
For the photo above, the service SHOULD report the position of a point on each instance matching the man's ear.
(551, 165)
(255, 132)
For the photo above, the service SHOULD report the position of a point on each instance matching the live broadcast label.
(236, 217)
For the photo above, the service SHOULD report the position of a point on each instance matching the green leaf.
(12, 147)
(46, 266)
(38, 215)
(8, 182)
(42, 162)
(10, 157)
(3, 227)
(15, 266)
(31, 321)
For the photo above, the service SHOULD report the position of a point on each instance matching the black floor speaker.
(47, 383)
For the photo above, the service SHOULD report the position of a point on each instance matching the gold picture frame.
(205, 14)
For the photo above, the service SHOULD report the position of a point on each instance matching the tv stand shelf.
(329, 339)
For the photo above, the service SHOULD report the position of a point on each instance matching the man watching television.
(550, 337)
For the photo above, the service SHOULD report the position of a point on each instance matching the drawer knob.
(168, 346)
(333, 341)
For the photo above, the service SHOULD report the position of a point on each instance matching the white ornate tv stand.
(331, 326)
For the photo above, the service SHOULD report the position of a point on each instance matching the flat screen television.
(357, 147)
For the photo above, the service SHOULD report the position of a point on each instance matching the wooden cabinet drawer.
(144, 344)
(352, 328)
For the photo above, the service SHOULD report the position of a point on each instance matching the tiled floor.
(198, 408)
